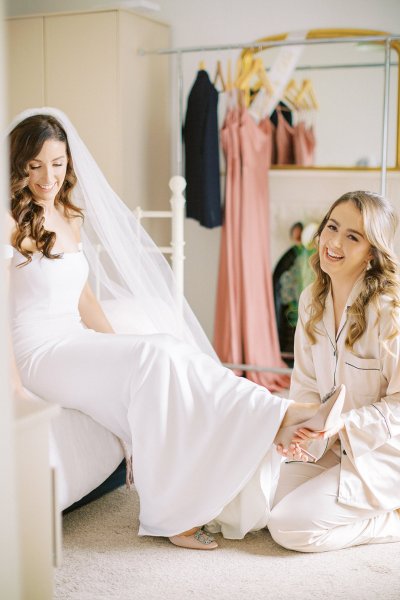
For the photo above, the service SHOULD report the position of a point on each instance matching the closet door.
(25, 65)
(146, 113)
(82, 80)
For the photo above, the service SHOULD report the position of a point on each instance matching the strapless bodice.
(46, 290)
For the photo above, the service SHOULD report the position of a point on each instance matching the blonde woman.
(347, 333)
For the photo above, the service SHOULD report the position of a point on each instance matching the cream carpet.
(104, 559)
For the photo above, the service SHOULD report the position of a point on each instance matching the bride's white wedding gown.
(202, 438)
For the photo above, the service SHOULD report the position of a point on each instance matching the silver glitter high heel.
(200, 540)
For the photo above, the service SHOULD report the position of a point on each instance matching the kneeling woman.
(348, 333)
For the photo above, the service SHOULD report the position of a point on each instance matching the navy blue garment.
(286, 112)
(200, 133)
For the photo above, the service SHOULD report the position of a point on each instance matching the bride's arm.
(91, 312)
(89, 307)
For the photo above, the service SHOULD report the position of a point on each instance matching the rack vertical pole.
(385, 124)
(179, 149)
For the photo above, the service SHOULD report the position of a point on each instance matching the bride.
(202, 439)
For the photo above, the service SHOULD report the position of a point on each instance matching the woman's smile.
(331, 255)
(343, 247)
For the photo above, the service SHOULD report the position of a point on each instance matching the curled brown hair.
(26, 142)
(381, 278)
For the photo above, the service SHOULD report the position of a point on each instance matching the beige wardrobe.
(87, 64)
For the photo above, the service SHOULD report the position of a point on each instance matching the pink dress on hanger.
(304, 145)
(284, 140)
(260, 335)
(227, 329)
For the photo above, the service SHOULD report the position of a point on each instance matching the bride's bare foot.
(315, 417)
(299, 412)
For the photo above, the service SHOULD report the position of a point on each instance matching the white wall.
(230, 21)
(209, 21)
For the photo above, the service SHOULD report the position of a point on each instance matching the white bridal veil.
(130, 267)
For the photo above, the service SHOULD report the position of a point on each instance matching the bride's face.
(47, 171)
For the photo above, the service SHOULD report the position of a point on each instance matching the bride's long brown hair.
(26, 141)
(382, 276)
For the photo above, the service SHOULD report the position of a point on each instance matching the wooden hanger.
(202, 66)
(306, 98)
(263, 77)
(229, 82)
(238, 70)
(243, 68)
(290, 93)
(254, 68)
(313, 97)
(219, 76)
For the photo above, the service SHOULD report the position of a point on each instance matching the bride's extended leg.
(197, 538)
(312, 415)
(181, 411)
(298, 412)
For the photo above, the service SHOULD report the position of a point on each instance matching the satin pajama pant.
(308, 518)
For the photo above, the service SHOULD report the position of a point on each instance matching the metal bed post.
(177, 185)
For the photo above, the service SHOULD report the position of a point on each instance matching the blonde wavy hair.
(26, 141)
(381, 277)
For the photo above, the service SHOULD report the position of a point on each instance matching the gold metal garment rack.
(262, 45)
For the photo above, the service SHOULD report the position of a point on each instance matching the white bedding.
(84, 454)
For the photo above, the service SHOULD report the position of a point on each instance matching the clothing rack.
(343, 66)
(386, 39)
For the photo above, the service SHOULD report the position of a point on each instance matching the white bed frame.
(176, 248)
(83, 452)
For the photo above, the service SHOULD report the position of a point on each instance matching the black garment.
(286, 112)
(200, 133)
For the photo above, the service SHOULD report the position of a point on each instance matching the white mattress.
(84, 454)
